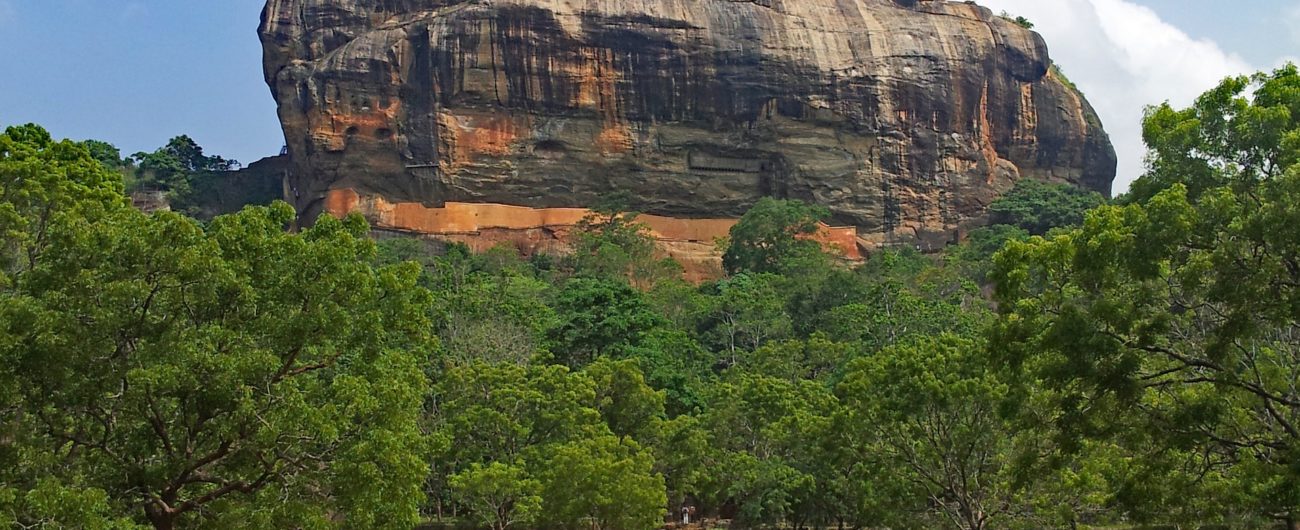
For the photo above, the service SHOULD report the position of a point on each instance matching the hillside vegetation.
(1077, 364)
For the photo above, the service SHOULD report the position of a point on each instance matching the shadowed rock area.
(905, 118)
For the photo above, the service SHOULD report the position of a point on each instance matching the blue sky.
(1260, 31)
(137, 72)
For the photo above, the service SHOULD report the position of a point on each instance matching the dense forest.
(1077, 363)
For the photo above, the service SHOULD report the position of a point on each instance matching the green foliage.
(815, 359)
(1017, 20)
(391, 251)
(1167, 326)
(905, 297)
(51, 504)
(613, 245)
(762, 428)
(176, 169)
(44, 183)
(537, 435)
(629, 407)
(749, 312)
(185, 370)
(180, 155)
(1059, 74)
(974, 257)
(927, 412)
(490, 307)
(599, 317)
(682, 456)
(683, 306)
(106, 154)
(499, 411)
(501, 495)
(496, 318)
(1180, 314)
(1038, 207)
(602, 483)
(773, 237)
(1226, 138)
(1141, 366)
(676, 364)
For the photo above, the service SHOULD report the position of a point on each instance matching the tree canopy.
(773, 236)
(165, 372)
(1169, 324)
(1037, 207)
(1077, 363)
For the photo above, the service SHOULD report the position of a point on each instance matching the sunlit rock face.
(905, 118)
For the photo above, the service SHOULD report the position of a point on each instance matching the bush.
(1038, 207)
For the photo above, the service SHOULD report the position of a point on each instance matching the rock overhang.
(905, 119)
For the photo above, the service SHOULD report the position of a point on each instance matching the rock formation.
(904, 117)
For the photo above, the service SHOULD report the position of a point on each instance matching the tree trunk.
(160, 518)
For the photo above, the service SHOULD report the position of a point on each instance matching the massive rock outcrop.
(904, 117)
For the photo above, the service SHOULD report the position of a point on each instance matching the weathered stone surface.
(906, 118)
(692, 242)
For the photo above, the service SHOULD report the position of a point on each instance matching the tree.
(676, 364)
(905, 296)
(610, 243)
(763, 429)
(184, 153)
(107, 154)
(766, 491)
(974, 257)
(628, 405)
(1169, 325)
(602, 483)
(1225, 138)
(237, 373)
(1038, 207)
(1180, 314)
(928, 413)
(174, 166)
(503, 413)
(683, 457)
(750, 312)
(495, 318)
(496, 412)
(42, 182)
(501, 495)
(817, 359)
(774, 236)
(599, 317)
(51, 504)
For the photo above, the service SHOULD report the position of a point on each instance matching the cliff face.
(905, 118)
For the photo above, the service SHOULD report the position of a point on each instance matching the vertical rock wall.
(905, 118)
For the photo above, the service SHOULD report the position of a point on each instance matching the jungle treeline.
(1078, 362)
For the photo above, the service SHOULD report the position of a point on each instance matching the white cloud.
(1124, 57)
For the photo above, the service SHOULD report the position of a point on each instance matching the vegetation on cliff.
(1084, 365)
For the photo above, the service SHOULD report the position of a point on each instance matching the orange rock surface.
(692, 242)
